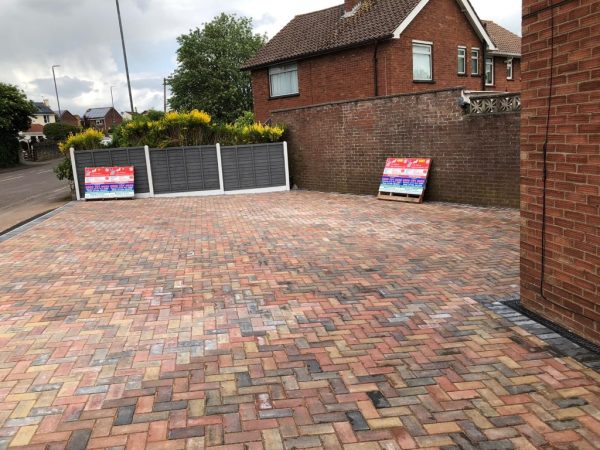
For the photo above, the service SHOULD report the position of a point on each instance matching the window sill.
(463, 75)
(476, 75)
(424, 81)
(284, 96)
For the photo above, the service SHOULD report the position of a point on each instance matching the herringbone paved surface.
(296, 320)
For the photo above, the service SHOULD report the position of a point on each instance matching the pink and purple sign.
(405, 176)
(109, 182)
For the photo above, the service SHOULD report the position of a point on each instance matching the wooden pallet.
(407, 198)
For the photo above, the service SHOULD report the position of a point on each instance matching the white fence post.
(220, 163)
(287, 167)
(74, 169)
(149, 170)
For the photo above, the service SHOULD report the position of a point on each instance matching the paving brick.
(142, 339)
(79, 439)
(184, 433)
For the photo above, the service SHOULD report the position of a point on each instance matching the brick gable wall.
(572, 265)
(350, 74)
(501, 83)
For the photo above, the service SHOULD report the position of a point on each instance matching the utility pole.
(112, 99)
(56, 90)
(165, 93)
(125, 55)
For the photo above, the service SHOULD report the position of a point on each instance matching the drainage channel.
(560, 341)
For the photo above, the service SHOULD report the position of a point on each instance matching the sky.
(83, 38)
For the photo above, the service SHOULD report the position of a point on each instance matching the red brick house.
(374, 48)
(70, 119)
(560, 163)
(506, 60)
(102, 119)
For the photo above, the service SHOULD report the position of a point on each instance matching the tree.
(15, 116)
(60, 131)
(208, 76)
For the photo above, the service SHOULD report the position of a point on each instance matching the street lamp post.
(56, 90)
(125, 55)
(112, 100)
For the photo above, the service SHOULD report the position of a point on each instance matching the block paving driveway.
(278, 321)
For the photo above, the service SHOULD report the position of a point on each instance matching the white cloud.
(83, 37)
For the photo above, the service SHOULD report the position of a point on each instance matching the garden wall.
(343, 146)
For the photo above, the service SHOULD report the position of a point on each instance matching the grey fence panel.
(189, 169)
(193, 169)
(253, 166)
(114, 157)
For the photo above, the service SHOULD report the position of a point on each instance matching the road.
(28, 191)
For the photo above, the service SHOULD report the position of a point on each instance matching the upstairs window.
(475, 61)
(462, 60)
(489, 71)
(422, 61)
(46, 119)
(509, 69)
(284, 80)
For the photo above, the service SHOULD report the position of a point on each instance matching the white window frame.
(509, 69)
(423, 45)
(100, 122)
(279, 70)
(463, 50)
(489, 82)
(475, 51)
(46, 118)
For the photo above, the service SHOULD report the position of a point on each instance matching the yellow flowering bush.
(255, 133)
(177, 129)
(89, 139)
(258, 133)
(86, 140)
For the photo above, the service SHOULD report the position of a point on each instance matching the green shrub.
(245, 119)
(60, 131)
(9, 150)
(64, 171)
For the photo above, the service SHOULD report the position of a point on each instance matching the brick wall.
(342, 147)
(350, 74)
(501, 83)
(572, 258)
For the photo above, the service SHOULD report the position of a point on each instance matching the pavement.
(29, 190)
(277, 321)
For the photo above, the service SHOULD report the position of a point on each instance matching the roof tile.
(506, 41)
(327, 30)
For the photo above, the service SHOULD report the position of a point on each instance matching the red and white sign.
(109, 182)
(405, 176)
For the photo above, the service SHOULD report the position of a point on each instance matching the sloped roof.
(97, 113)
(506, 41)
(331, 30)
(41, 108)
(327, 30)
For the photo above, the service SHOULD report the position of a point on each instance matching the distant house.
(102, 119)
(70, 119)
(506, 60)
(369, 48)
(43, 115)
